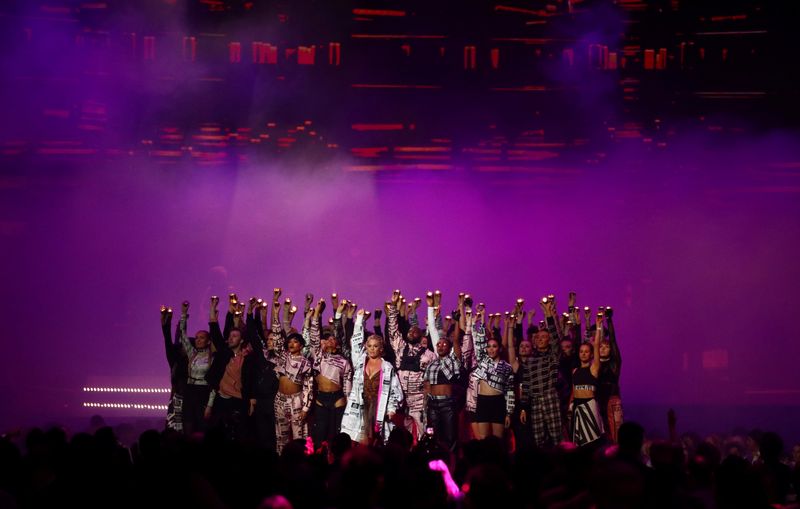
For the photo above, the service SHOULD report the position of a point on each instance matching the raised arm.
(479, 340)
(233, 307)
(253, 336)
(519, 315)
(468, 358)
(551, 319)
(598, 336)
(276, 330)
(395, 336)
(289, 311)
(357, 340)
(376, 327)
(213, 326)
(512, 348)
(413, 319)
(312, 329)
(616, 357)
(432, 329)
(184, 337)
(166, 331)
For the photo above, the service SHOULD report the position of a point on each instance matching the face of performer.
(234, 339)
(424, 341)
(443, 348)
(585, 353)
(201, 339)
(271, 341)
(329, 344)
(294, 346)
(525, 348)
(374, 348)
(567, 348)
(605, 350)
(493, 349)
(541, 340)
(414, 335)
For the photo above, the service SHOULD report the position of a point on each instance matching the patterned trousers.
(175, 412)
(414, 422)
(614, 416)
(287, 419)
(545, 418)
(415, 414)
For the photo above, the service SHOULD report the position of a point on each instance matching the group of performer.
(259, 378)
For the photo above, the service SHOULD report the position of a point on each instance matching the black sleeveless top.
(411, 362)
(583, 380)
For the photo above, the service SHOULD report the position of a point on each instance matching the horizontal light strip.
(126, 390)
(125, 406)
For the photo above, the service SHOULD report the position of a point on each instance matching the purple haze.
(696, 253)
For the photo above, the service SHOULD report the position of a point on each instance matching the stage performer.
(411, 360)
(295, 380)
(539, 378)
(197, 392)
(587, 424)
(608, 395)
(495, 378)
(264, 380)
(226, 376)
(440, 377)
(333, 376)
(176, 359)
(376, 394)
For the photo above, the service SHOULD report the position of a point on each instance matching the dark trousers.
(195, 399)
(263, 422)
(442, 418)
(231, 415)
(523, 435)
(327, 417)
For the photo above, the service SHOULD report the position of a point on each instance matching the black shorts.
(329, 399)
(491, 409)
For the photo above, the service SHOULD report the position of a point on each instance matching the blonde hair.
(378, 338)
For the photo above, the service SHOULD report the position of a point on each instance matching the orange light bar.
(377, 127)
(378, 12)
(396, 36)
(377, 85)
(422, 149)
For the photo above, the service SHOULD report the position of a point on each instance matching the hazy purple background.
(696, 246)
(694, 254)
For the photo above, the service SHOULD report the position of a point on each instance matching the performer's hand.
(207, 413)
(507, 424)
(523, 417)
(302, 416)
(252, 408)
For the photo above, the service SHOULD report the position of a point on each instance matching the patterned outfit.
(197, 392)
(411, 362)
(288, 407)
(498, 374)
(357, 419)
(539, 375)
(587, 425)
(337, 369)
(442, 371)
(469, 361)
(176, 359)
